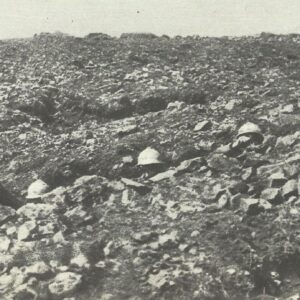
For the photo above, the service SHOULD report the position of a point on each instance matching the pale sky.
(23, 18)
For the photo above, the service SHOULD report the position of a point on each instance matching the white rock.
(132, 183)
(26, 229)
(59, 238)
(223, 201)
(249, 204)
(160, 279)
(107, 297)
(5, 283)
(39, 268)
(11, 230)
(294, 297)
(127, 129)
(231, 271)
(80, 261)
(202, 126)
(64, 284)
(127, 159)
(195, 233)
(168, 237)
(36, 210)
(288, 108)
(22, 136)
(175, 105)
(231, 104)
(84, 179)
(163, 175)
(4, 243)
(36, 189)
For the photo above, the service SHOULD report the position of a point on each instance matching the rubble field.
(216, 216)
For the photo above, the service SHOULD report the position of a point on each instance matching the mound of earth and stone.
(162, 168)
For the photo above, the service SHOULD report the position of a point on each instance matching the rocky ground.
(219, 219)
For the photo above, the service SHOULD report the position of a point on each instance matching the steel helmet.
(149, 156)
(37, 189)
(252, 130)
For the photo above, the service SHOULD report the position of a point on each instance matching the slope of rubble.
(218, 219)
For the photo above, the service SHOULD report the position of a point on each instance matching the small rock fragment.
(272, 195)
(80, 261)
(107, 297)
(292, 170)
(108, 250)
(168, 239)
(144, 237)
(183, 247)
(290, 188)
(287, 141)
(247, 173)
(190, 165)
(26, 230)
(249, 205)
(59, 238)
(277, 180)
(77, 215)
(164, 175)
(195, 233)
(4, 244)
(175, 105)
(11, 230)
(139, 187)
(287, 109)
(231, 271)
(231, 104)
(203, 126)
(127, 159)
(266, 205)
(126, 130)
(84, 179)
(223, 201)
(224, 149)
(159, 280)
(39, 270)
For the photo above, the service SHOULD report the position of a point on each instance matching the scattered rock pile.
(149, 167)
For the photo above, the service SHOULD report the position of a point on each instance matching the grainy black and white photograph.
(149, 150)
